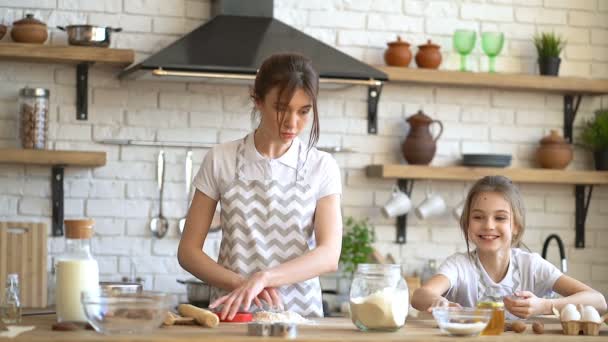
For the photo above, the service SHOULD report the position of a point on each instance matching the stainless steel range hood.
(233, 45)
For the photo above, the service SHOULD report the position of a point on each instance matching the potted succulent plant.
(595, 137)
(549, 46)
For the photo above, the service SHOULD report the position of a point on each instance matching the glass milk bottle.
(10, 308)
(76, 271)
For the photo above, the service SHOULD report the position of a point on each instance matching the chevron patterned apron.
(266, 223)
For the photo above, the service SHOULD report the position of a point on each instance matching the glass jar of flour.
(379, 298)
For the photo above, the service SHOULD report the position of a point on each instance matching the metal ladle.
(188, 181)
(159, 225)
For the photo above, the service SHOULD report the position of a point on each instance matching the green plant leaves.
(356, 243)
(549, 44)
(595, 132)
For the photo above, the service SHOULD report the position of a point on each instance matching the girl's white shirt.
(467, 277)
(218, 168)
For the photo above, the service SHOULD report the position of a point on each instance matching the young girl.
(280, 202)
(493, 220)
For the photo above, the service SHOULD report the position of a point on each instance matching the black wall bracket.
(82, 88)
(373, 96)
(57, 199)
(405, 185)
(582, 206)
(570, 110)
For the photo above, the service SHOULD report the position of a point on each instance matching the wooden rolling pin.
(203, 317)
(173, 319)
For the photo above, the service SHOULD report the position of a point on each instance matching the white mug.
(399, 204)
(433, 205)
(458, 209)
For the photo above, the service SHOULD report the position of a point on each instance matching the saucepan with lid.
(89, 35)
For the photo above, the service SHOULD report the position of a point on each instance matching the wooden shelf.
(51, 157)
(65, 54)
(463, 173)
(523, 82)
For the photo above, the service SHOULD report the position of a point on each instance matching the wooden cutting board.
(23, 250)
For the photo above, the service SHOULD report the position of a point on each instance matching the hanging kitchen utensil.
(159, 225)
(188, 181)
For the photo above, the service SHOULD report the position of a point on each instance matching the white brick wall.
(122, 196)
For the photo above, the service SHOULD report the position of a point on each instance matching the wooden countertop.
(327, 329)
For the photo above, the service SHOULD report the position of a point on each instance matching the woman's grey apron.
(266, 223)
(508, 287)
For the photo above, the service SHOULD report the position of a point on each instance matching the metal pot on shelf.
(89, 35)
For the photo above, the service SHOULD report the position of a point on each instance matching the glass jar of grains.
(33, 117)
(378, 297)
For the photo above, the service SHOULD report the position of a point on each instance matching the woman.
(280, 202)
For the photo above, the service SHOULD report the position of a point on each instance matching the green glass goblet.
(464, 42)
(492, 43)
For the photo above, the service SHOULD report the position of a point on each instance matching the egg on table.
(570, 313)
(590, 314)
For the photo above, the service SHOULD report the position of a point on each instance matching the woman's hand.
(251, 290)
(526, 305)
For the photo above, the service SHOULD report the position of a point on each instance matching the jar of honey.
(497, 323)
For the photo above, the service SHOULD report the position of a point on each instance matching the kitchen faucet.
(562, 251)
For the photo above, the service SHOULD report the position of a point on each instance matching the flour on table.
(282, 317)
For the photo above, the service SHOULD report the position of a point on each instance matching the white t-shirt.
(534, 274)
(217, 171)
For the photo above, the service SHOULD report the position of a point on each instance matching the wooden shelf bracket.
(570, 110)
(373, 97)
(57, 199)
(405, 185)
(582, 206)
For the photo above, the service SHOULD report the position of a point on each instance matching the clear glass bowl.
(462, 321)
(130, 313)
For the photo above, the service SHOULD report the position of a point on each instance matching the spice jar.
(497, 322)
(33, 120)
(29, 30)
(554, 152)
(378, 298)
(76, 271)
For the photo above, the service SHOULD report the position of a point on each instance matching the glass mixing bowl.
(462, 321)
(120, 313)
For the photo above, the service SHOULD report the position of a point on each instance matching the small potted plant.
(595, 137)
(549, 46)
(356, 247)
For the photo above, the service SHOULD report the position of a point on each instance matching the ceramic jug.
(428, 56)
(420, 145)
(398, 53)
(554, 152)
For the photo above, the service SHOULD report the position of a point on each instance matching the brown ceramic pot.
(428, 56)
(398, 53)
(2, 31)
(554, 152)
(29, 30)
(419, 145)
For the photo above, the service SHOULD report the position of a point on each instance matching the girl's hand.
(526, 305)
(252, 289)
(442, 302)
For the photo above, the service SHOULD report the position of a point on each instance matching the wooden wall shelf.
(583, 182)
(65, 54)
(58, 160)
(522, 82)
(81, 56)
(51, 157)
(463, 173)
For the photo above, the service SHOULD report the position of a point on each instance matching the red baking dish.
(240, 317)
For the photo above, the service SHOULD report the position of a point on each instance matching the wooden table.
(327, 329)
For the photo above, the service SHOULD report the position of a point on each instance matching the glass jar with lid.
(379, 298)
(76, 271)
(10, 307)
(33, 117)
(497, 322)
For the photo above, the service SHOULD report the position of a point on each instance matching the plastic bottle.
(10, 309)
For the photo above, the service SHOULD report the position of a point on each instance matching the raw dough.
(384, 309)
(275, 317)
